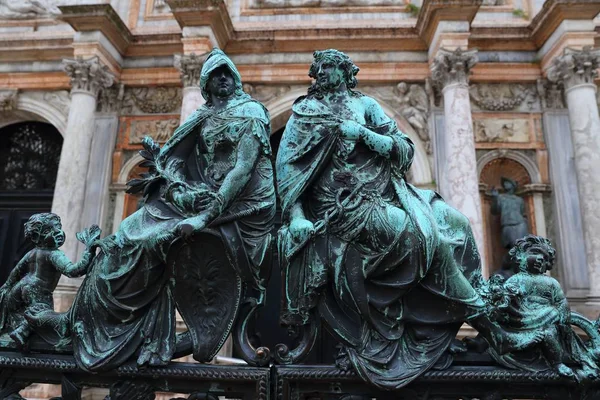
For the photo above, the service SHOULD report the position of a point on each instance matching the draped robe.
(393, 277)
(125, 305)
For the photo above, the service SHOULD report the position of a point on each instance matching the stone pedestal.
(457, 171)
(576, 70)
(190, 66)
(87, 78)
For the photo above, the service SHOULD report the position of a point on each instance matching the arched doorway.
(29, 156)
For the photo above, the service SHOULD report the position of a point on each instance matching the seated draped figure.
(392, 270)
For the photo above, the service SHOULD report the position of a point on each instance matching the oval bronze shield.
(207, 292)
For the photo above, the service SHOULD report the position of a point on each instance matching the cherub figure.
(535, 312)
(26, 298)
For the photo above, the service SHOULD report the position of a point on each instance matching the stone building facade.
(485, 88)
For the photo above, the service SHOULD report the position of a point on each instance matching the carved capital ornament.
(450, 67)
(88, 76)
(575, 67)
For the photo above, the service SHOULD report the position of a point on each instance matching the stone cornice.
(99, 17)
(208, 13)
(556, 11)
(434, 11)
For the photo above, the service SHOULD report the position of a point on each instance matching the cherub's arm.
(17, 273)
(73, 270)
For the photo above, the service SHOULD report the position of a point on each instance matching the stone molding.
(575, 67)
(189, 67)
(88, 76)
(434, 11)
(452, 67)
(98, 17)
(210, 13)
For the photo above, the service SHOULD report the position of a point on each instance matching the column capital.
(575, 67)
(88, 75)
(452, 66)
(189, 67)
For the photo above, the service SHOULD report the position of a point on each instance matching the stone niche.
(489, 178)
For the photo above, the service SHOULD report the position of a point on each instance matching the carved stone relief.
(25, 9)
(266, 93)
(502, 130)
(110, 99)
(161, 7)
(154, 100)
(60, 99)
(8, 100)
(551, 94)
(159, 130)
(493, 2)
(504, 97)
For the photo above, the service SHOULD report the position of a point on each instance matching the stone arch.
(50, 107)
(280, 109)
(529, 165)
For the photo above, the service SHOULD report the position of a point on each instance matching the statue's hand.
(190, 226)
(494, 192)
(350, 130)
(301, 229)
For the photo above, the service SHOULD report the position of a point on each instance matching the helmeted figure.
(214, 177)
(390, 268)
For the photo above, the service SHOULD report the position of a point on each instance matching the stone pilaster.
(88, 76)
(575, 70)
(459, 183)
(189, 67)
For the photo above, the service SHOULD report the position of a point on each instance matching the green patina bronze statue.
(210, 185)
(26, 301)
(533, 306)
(390, 268)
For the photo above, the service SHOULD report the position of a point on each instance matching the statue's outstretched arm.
(73, 270)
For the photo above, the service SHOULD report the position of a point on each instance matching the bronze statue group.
(391, 270)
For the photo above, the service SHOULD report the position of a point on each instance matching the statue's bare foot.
(565, 371)
(342, 361)
(19, 336)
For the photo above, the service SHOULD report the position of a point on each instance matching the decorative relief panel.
(508, 130)
(266, 93)
(502, 130)
(159, 130)
(154, 100)
(504, 97)
(27, 9)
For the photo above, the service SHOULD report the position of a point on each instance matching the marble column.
(457, 171)
(190, 66)
(575, 70)
(87, 78)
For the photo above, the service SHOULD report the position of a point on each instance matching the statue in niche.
(414, 106)
(391, 269)
(26, 301)
(198, 242)
(511, 209)
(533, 305)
